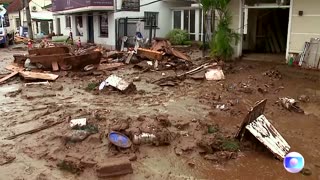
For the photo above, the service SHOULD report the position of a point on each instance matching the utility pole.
(30, 33)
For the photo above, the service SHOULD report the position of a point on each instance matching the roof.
(15, 6)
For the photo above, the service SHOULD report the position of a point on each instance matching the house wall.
(164, 21)
(304, 27)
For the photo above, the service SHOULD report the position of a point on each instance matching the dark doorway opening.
(90, 29)
(267, 31)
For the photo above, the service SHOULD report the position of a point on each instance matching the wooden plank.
(80, 61)
(14, 67)
(49, 51)
(110, 66)
(253, 114)
(263, 130)
(129, 58)
(36, 75)
(150, 54)
(8, 76)
(46, 60)
(55, 66)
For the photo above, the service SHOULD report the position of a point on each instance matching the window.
(18, 22)
(104, 31)
(177, 19)
(79, 26)
(68, 21)
(151, 15)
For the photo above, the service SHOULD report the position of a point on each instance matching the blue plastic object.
(119, 139)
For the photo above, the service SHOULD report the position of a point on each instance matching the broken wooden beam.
(14, 73)
(110, 66)
(20, 58)
(49, 50)
(46, 60)
(80, 61)
(36, 75)
(43, 127)
(150, 54)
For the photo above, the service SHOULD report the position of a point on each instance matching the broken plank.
(80, 61)
(263, 130)
(43, 127)
(46, 60)
(150, 54)
(49, 51)
(36, 75)
(55, 66)
(129, 58)
(8, 76)
(14, 67)
(110, 66)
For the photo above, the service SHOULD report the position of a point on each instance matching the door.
(58, 26)
(90, 29)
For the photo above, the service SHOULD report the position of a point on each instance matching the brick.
(114, 167)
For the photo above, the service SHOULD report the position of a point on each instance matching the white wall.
(164, 21)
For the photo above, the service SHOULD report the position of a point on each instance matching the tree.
(224, 36)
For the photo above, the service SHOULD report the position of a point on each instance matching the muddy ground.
(185, 115)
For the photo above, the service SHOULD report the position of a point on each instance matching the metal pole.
(150, 28)
(204, 34)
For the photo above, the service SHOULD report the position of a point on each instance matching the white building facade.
(97, 21)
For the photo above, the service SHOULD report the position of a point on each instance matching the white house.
(99, 21)
(41, 18)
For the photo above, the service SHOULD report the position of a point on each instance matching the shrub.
(178, 37)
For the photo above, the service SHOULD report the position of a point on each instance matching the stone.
(76, 135)
(88, 163)
(304, 98)
(114, 167)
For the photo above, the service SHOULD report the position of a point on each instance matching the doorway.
(58, 26)
(266, 32)
(90, 29)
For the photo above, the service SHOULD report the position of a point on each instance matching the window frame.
(100, 20)
(68, 21)
(146, 25)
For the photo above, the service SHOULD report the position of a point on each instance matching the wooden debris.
(46, 60)
(49, 51)
(80, 61)
(150, 54)
(263, 130)
(55, 66)
(129, 57)
(110, 66)
(14, 73)
(36, 75)
(14, 67)
(20, 58)
(43, 127)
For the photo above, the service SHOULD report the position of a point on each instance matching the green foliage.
(91, 86)
(221, 44)
(213, 129)
(178, 37)
(230, 145)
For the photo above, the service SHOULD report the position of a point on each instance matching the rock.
(76, 135)
(136, 79)
(114, 167)
(304, 98)
(42, 176)
(211, 157)
(133, 157)
(71, 165)
(262, 90)
(94, 139)
(191, 164)
(178, 151)
(181, 124)
(306, 172)
(88, 163)
(120, 125)
(247, 90)
(163, 120)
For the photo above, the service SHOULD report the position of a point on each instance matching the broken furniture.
(259, 126)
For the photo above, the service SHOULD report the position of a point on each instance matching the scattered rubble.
(290, 104)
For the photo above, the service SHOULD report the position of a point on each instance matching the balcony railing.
(61, 5)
